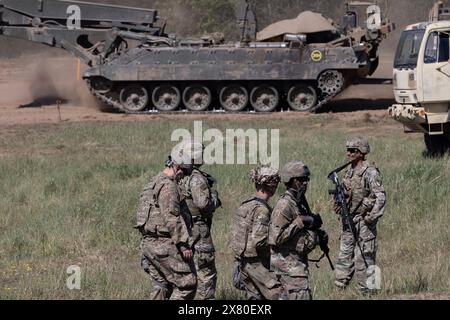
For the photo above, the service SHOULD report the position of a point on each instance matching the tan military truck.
(422, 80)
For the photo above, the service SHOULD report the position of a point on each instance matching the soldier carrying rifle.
(294, 232)
(361, 201)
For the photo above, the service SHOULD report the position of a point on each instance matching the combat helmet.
(294, 169)
(189, 154)
(265, 176)
(359, 143)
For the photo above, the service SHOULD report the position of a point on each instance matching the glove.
(318, 223)
(368, 220)
(308, 221)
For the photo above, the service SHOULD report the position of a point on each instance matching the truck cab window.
(438, 48)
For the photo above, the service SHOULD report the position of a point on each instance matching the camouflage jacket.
(160, 202)
(282, 229)
(250, 230)
(365, 191)
(197, 195)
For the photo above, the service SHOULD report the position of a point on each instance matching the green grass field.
(69, 194)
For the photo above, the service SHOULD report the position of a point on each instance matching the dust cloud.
(58, 79)
(42, 81)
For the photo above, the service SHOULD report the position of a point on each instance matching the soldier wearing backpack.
(166, 249)
(250, 232)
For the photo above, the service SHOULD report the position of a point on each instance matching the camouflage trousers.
(206, 275)
(204, 258)
(173, 278)
(351, 262)
(260, 283)
(292, 270)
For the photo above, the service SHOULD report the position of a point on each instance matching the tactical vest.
(357, 188)
(242, 226)
(149, 217)
(186, 191)
(304, 241)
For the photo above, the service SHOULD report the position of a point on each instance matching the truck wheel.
(437, 145)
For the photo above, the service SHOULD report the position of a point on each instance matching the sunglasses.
(303, 180)
(352, 150)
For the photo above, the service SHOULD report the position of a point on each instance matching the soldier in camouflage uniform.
(249, 240)
(366, 203)
(200, 202)
(291, 234)
(166, 252)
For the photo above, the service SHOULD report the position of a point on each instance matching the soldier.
(366, 203)
(200, 202)
(167, 255)
(249, 240)
(291, 233)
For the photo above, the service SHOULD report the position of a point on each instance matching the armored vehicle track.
(256, 97)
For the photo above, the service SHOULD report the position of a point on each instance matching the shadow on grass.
(427, 154)
(44, 101)
(351, 105)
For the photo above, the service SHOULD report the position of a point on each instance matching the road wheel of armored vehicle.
(437, 145)
(302, 98)
(233, 98)
(166, 98)
(197, 98)
(100, 85)
(331, 82)
(134, 98)
(264, 98)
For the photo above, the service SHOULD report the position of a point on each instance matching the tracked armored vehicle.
(134, 66)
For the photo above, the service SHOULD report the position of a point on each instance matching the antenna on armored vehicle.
(247, 20)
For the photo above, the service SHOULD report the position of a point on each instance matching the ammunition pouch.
(193, 210)
(143, 214)
(155, 226)
(306, 241)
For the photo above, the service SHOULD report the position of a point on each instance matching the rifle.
(323, 241)
(339, 197)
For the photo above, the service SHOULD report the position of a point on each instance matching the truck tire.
(437, 145)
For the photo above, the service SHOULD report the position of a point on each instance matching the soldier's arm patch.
(377, 192)
(261, 216)
(375, 181)
(260, 228)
